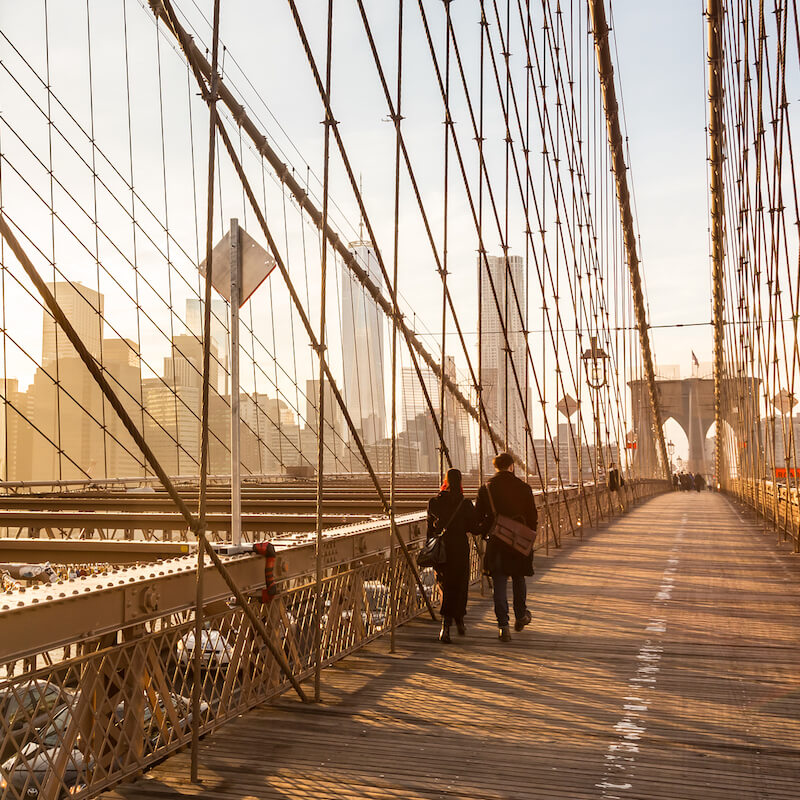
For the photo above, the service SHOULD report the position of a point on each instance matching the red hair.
(452, 482)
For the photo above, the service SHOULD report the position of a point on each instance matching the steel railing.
(83, 713)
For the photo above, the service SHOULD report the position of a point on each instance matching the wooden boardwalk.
(663, 662)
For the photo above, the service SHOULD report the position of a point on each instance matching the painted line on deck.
(620, 758)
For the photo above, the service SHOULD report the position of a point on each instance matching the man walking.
(506, 495)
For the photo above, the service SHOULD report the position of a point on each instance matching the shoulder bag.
(517, 535)
(434, 553)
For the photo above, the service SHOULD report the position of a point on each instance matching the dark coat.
(453, 577)
(512, 498)
(614, 482)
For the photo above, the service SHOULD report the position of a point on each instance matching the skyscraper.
(83, 307)
(219, 334)
(362, 343)
(419, 426)
(500, 394)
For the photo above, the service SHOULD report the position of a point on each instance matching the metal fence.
(776, 502)
(78, 718)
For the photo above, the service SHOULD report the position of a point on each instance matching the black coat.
(456, 542)
(453, 575)
(513, 498)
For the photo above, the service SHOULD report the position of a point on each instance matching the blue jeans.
(500, 589)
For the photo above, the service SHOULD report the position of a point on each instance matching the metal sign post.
(238, 266)
(236, 461)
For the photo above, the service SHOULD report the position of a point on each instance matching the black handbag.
(434, 553)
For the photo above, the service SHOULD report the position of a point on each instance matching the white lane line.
(621, 752)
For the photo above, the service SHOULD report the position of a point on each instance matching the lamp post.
(595, 362)
(671, 451)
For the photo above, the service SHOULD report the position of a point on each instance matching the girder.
(47, 616)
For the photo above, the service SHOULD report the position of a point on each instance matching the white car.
(216, 650)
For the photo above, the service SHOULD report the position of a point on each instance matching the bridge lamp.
(671, 451)
(595, 361)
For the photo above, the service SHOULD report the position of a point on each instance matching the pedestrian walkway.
(663, 662)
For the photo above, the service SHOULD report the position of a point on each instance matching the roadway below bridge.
(662, 663)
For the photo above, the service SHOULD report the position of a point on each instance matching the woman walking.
(452, 516)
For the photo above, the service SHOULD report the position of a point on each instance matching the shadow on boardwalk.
(662, 663)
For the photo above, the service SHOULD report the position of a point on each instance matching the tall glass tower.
(362, 344)
(500, 393)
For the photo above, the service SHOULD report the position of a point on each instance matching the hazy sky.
(660, 72)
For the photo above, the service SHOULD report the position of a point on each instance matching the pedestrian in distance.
(508, 496)
(452, 516)
(699, 482)
(675, 481)
(615, 483)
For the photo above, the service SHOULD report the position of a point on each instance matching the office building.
(362, 345)
(83, 307)
(219, 335)
(499, 309)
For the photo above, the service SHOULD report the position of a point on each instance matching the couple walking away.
(452, 516)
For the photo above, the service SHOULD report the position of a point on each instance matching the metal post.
(236, 461)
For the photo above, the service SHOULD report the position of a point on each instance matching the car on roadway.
(215, 649)
(26, 707)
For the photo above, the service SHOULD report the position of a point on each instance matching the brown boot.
(444, 634)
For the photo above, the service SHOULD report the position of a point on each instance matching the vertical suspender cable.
(321, 354)
(201, 502)
(447, 123)
(392, 620)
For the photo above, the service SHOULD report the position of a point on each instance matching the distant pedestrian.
(452, 516)
(506, 495)
(685, 482)
(699, 482)
(675, 482)
(615, 483)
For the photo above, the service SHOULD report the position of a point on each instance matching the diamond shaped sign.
(784, 401)
(257, 264)
(567, 405)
